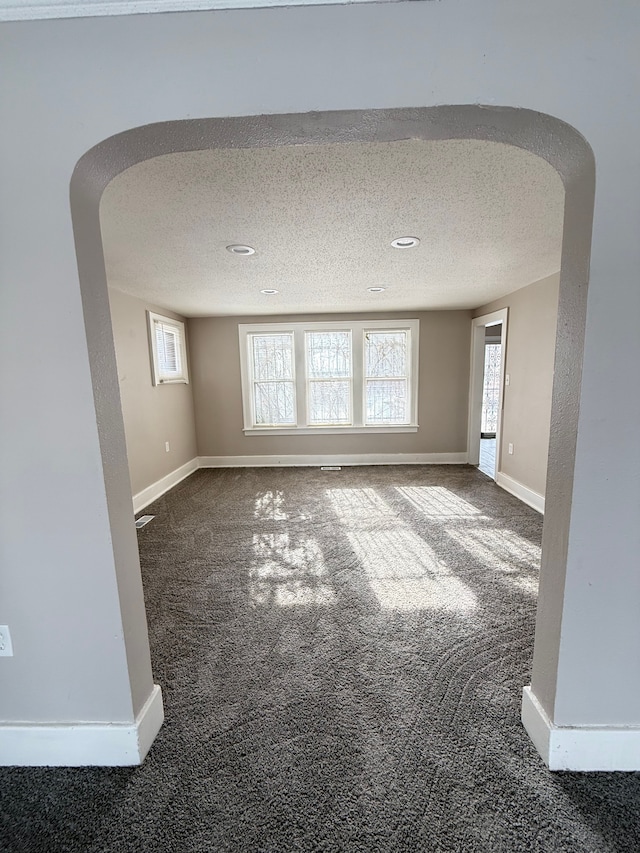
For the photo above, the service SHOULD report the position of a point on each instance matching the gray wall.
(529, 357)
(443, 391)
(75, 83)
(153, 414)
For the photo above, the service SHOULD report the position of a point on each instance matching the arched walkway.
(545, 136)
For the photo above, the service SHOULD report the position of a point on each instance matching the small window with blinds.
(168, 349)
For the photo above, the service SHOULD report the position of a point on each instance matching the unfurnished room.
(310, 536)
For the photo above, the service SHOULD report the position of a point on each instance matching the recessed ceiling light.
(269, 291)
(239, 249)
(376, 289)
(405, 242)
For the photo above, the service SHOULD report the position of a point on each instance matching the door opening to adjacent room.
(490, 399)
(513, 129)
(488, 343)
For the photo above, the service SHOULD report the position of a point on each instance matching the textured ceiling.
(321, 219)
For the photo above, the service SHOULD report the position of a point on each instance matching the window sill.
(330, 430)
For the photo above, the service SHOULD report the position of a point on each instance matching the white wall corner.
(580, 749)
(83, 744)
(311, 459)
(157, 489)
(520, 491)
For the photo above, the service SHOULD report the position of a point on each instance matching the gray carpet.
(341, 656)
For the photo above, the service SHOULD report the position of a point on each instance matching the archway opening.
(545, 137)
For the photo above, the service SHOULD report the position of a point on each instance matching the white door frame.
(476, 382)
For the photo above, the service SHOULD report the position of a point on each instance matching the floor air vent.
(331, 467)
(144, 519)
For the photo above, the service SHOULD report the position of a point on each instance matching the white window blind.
(168, 349)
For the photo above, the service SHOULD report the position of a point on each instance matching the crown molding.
(32, 10)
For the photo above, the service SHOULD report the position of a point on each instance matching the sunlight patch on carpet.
(287, 573)
(270, 506)
(503, 551)
(402, 570)
(437, 502)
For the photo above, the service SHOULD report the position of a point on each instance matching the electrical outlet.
(166, 446)
(511, 448)
(507, 379)
(6, 649)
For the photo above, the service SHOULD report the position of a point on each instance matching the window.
(491, 390)
(330, 377)
(387, 377)
(273, 392)
(168, 349)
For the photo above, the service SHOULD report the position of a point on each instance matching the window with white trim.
(348, 376)
(168, 349)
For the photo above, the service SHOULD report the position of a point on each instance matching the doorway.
(488, 347)
(558, 143)
(490, 398)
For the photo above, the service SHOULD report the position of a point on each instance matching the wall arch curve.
(545, 136)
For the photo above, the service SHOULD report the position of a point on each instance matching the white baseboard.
(525, 494)
(581, 749)
(82, 744)
(333, 459)
(157, 489)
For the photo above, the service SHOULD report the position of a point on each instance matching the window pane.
(329, 402)
(272, 356)
(491, 387)
(386, 353)
(387, 401)
(328, 354)
(168, 349)
(274, 403)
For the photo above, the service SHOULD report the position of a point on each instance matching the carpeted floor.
(341, 656)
